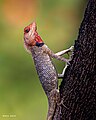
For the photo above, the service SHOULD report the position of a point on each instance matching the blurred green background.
(58, 22)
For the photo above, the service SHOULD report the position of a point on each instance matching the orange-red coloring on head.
(31, 36)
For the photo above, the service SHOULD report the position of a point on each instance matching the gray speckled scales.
(45, 69)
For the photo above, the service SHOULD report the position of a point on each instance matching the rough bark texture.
(78, 88)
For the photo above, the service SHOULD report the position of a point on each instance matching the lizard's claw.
(71, 48)
(68, 62)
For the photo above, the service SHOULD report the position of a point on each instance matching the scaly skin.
(48, 77)
(46, 71)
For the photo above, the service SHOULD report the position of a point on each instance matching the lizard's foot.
(71, 48)
(61, 103)
(60, 107)
(60, 76)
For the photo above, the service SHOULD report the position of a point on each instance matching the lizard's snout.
(30, 28)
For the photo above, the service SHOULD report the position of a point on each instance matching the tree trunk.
(78, 88)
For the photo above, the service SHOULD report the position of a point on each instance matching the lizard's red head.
(31, 37)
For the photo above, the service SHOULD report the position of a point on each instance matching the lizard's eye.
(27, 30)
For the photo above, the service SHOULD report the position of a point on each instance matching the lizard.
(45, 68)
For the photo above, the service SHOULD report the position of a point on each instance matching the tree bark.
(78, 88)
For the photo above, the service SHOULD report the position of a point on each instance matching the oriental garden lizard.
(45, 68)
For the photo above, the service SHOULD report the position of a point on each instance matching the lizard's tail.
(53, 99)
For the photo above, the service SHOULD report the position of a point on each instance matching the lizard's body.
(48, 77)
(45, 68)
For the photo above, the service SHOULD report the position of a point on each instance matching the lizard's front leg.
(58, 55)
(53, 100)
(65, 51)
